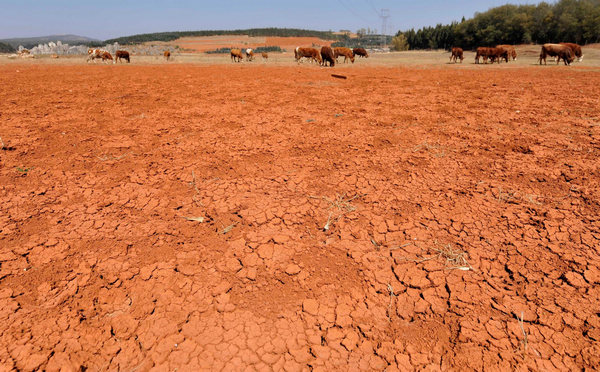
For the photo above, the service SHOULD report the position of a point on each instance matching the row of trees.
(566, 20)
(170, 36)
(6, 48)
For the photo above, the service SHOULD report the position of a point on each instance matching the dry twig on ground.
(454, 258)
(338, 207)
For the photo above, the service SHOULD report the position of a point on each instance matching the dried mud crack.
(177, 222)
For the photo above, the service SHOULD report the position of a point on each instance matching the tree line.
(576, 21)
(6, 48)
(272, 31)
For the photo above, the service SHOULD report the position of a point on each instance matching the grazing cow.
(576, 49)
(361, 52)
(265, 55)
(106, 56)
(311, 53)
(492, 53)
(122, 54)
(102, 54)
(167, 55)
(511, 50)
(236, 55)
(457, 53)
(556, 50)
(497, 54)
(249, 54)
(327, 55)
(346, 52)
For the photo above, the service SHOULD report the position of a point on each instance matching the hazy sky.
(103, 19)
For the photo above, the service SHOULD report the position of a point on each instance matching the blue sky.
(103, 19)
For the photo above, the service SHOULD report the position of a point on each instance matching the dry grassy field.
(206, 215)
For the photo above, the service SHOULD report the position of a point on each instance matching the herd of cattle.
(322, 57)
(565, 51)
(329, 56)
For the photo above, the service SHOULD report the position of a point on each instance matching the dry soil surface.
(242, 217)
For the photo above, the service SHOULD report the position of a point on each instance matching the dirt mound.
(185, 216)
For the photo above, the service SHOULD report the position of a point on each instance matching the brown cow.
(346, 52)
(102, 54)
(576, 49)
(265, 55)
(511, 50)
(121, 54)
(106, 56)
(236, 55)
(167, 55)
(498, 54)
(492, 53)
(311, 53)
(457, 53)
(556, 50)
(249, 54)
(361, 52)
(328, 56)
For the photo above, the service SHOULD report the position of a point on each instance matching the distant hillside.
(29, 42)
(6, 48)
(170, 36)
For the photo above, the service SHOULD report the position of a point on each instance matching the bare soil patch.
(174, 216)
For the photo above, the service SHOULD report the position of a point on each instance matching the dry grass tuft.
(455, 259)
(338, 207)
(196, 196)
(524, 341)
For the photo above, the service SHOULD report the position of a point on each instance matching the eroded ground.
(457, 201)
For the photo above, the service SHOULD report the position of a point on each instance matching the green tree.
(399, 43)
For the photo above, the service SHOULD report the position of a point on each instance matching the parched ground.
(173, 216)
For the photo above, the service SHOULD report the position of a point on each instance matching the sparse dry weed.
(338, 207)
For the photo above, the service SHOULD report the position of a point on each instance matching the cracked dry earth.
(172, 217)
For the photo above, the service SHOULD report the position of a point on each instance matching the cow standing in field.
(167, 55)
(122, 54)
(346, 52)
(492, 53)
(511, 50)
(557, 50)
(265, 55)
(327, 55)
(457, 53)
(106, 56)
(94, 54)
(249, 54)
(576, 49)
(236, 55)
(361, 52)
(311, 53)
(497, 54)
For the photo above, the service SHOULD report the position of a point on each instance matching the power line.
(370, 2)
(353, 12)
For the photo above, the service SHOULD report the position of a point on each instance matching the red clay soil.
(459, 201)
